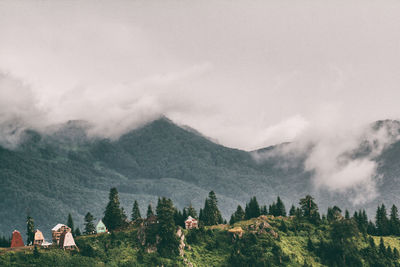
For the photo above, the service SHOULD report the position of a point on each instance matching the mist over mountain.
(63, 170)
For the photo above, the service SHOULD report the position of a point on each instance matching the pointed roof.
(58, 226)
(100, 224)
(67, 240)
(16, 240)
(38, 235)
(190, 218)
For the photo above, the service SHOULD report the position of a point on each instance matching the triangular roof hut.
(16, 240)
(39, 238)
(101, 227)
(67, 241)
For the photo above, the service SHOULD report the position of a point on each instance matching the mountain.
(65, 171)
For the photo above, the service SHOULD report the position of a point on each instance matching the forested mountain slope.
(51, 175)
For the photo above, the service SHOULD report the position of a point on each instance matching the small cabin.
(191, 223)
(16, 240)
(67, 241)
(57, 231)
(101, 228)
(38, 238)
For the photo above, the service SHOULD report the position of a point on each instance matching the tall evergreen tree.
(238, 215)
(70, 223)
(191, 211)
(135, 211)
(168, 245)
(114, 215)
(292, 211)
(346, 215)
(150, 210)
(280, 207)
(309, 209)
(394, 221)
(211, 213)
(30, 230)
(382, 222)
(252, 209)
(89, 224)
(78, 232)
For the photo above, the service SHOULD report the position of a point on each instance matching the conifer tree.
(191, 212)
(264, 210)
(30, 230)
(150, 210)
(168, 245)
(135, 211)
(179, 217)
(252, 209)
(89, 224)
(346, 215)
(78, 232)
(292, 211)
(382, 248)
(113, 215)
(70, 223)
(280, 207)
(382, 222)
(211, 213)
(394, 221)
(309, 209)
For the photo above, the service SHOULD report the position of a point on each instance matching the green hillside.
(263, 242)
(64, 171)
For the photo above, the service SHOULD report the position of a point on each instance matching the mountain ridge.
(49, 176)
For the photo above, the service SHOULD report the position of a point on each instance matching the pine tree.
(150, 210)
(78, 232)
(70, 223)
(135, 211)
(382, 222)
(264, 210)
(382, 248)
(89, 225)
(113, 215)
(309, 209)
(280, 207)
(252, 209)
(211, 213)
(168, 245)
(191, 212)
(30, 230)
(292, 211)
(394, 221)
(346, 215)
(179, 218)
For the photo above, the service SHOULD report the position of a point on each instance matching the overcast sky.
(246, 73)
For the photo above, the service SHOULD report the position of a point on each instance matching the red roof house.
(191, 223)
(16, 240)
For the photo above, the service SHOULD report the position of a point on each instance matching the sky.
(248, 74)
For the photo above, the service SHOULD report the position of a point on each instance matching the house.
(57, 231)
(191, 223)
(101, 228)
(38, 238)
(67, 241)
(152, 219)
(16, 240)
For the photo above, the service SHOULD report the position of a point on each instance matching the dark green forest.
(255, 236)
(61, 171)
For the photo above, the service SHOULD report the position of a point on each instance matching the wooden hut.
(67, 241)
(16, 240)
(100, 227)
(39, 238)
(191, 223)
(57, 231)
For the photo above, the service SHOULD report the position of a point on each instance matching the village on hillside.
(63, 238)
